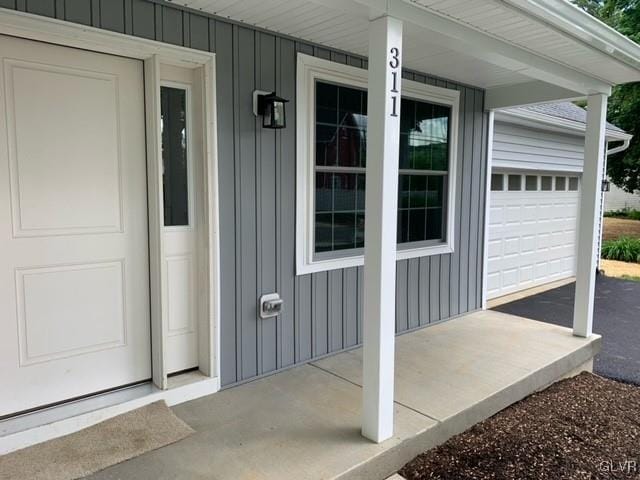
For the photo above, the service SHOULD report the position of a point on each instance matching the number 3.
(395, 61)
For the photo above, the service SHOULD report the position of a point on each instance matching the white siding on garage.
(519, 147)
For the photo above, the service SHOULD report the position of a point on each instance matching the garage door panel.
(529, 213)
(543, 240)
(526, 275)
(528, 242)
(510, 278)
(511, 246)
(513, 214)
(494, 249)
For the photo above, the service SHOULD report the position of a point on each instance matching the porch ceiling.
(486, 43)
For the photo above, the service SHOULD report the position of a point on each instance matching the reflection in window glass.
(173, 124)
(561, 183)
(424, 161)
(545, 183)
(531, 183)
(573, 184)
(497, 182)
(340, 161)
(515, 182)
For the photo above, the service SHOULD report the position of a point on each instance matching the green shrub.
(624, 213)
(634, 214)
(625, 249)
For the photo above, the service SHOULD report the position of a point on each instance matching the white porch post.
(589, 211)
(381, 199)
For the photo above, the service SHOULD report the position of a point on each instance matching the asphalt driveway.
(616, 318)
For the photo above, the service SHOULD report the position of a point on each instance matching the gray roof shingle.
(566, 111)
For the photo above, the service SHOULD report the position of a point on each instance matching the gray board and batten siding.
(322, 311)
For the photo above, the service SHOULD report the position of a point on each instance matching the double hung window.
(332, 157)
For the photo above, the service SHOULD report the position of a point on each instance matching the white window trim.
(310, 69)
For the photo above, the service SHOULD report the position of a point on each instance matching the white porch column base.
(381, 199)
(589, 211)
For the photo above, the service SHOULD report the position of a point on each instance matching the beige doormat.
(96, 447)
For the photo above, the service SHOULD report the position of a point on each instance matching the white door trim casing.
(28, 26)
(487, 209)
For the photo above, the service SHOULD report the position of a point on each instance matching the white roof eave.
(549, 122)
(584, 27)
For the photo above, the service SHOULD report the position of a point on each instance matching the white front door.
(74, 295)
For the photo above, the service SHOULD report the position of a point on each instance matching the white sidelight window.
(332, 138)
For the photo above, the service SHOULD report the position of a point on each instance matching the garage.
(536, 166)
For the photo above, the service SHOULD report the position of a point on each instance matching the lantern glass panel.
(278, 114)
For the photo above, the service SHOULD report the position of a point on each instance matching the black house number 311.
(394, 63)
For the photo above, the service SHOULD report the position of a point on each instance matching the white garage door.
(532, 230)
(74, 297)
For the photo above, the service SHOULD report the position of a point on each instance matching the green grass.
(625, 249)
(625, 213)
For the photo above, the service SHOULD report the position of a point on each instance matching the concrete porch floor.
(304, 423)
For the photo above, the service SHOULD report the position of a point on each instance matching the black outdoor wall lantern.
(606, 185)
(271, 107)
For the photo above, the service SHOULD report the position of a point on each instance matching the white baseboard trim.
(187, 387)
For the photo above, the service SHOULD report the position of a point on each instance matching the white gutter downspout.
(610, 151)
(621, 148)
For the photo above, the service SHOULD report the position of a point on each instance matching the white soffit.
(534, 26)
(343, 25)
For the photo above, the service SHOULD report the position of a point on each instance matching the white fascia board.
(579, 24)
(470, 41)
(555, 124)
(528, 93)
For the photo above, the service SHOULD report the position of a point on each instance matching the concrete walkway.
(616, 317)
(304, 423)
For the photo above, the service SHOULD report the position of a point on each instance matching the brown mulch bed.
(620, 227)
(585, 427)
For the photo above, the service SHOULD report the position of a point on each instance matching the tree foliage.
(624, 103)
